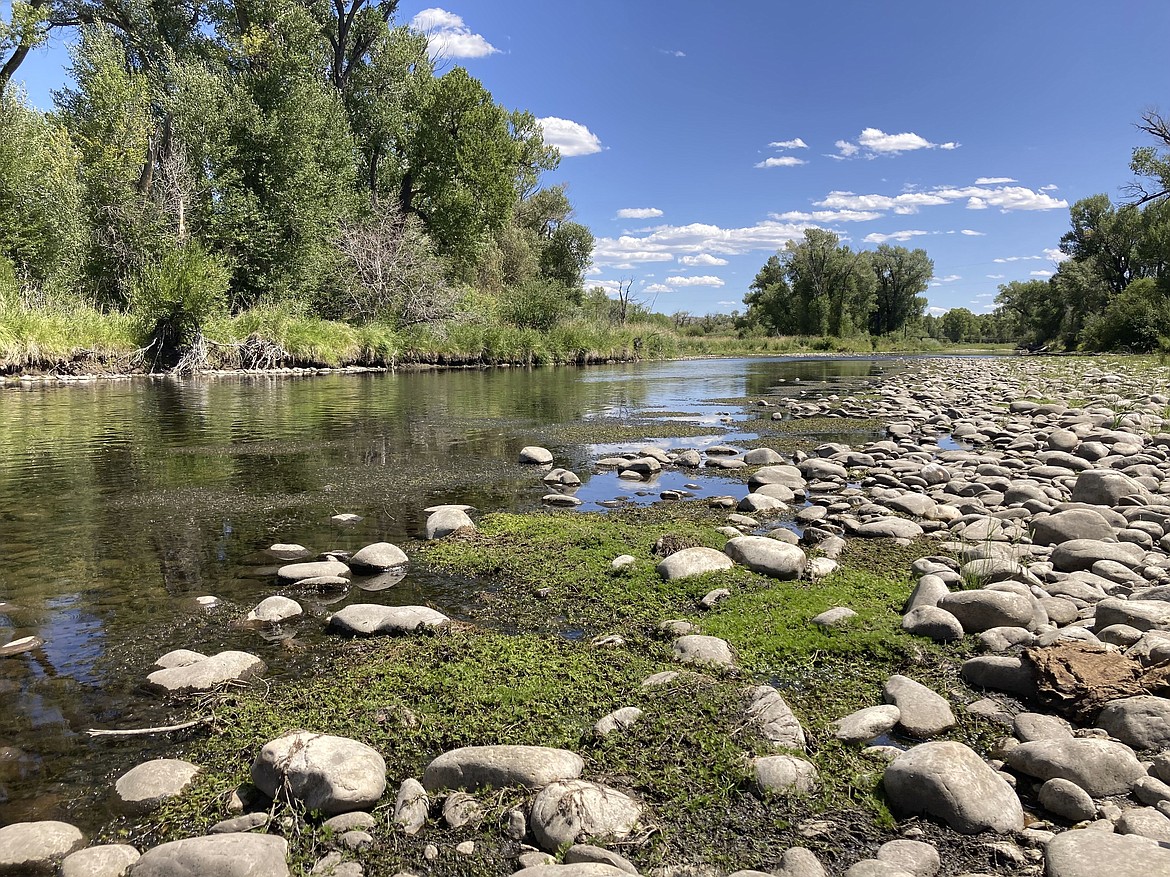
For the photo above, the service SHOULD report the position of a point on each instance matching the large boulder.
(37, 847)
(1080, 554)
(922, 712)
(565, 812)
(1142, 722)
(693, 562)
(535, 455)
(767, 556)
(695, 648)
(1138, 614)
(323, 772)
(888, 528)
(865, 724)
(208, 673)
(146, 786)
(498, 767)
(1100, 767)
(370, 619)
(445, 520)
(949, 781)
(274, 610)
(292, 573)
(107, 860)
(785, 774)
(1093, 853)
(217, 855)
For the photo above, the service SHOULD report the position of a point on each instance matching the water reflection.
(120, 503)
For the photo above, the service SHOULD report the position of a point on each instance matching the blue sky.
(699, 137)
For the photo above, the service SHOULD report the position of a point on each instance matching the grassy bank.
(524, 669)
(77, 339)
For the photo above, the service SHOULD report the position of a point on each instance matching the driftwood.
(162, 729)
(1079, 679)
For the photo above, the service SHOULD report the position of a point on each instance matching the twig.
(162, 729)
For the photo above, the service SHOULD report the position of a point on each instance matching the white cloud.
(994, 181)
(448, 37)
(985, 295)
(876, 238)
(571, 138)
(876, 142)
(674, 53)
(1055, 254)
(1006, 198)
(701, 280)
(972, 233)
(936, 311)
(826, 216)
(950, 278)
(663, 243)
(639, 213)
(1041, 273)
(1001, 261)
(701, 259)
(783, 161)
(1049, 188)
(657, 287)
(794, 143)
(996, 276)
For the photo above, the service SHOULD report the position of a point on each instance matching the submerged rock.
(145, 787)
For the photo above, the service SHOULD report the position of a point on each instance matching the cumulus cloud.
(996, 276)
(571, 138)
(972, 233)
(448, 37)
(876, 238)
(782, 161)
(658, 287)
(701, 280)
(1041, 273)
(950, 278)
(1006, 198)
(994, 181)
(826, 216)
(674, 53)
(936, 311)
(875, 142)
(1049, 188)
(794, 143)
(639, 213)
(1055, 254)
(701, 259)
(663, 243)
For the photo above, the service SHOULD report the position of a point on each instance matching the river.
(121, 502)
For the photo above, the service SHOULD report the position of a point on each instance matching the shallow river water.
(121, 502)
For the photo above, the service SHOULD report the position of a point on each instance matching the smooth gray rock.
(771, 715)
(145, 787)
(217, 855)
(789, 476)
(1146, 822)
(1067, 800)
(838, 616)
(292, 573)
(247, 822)
(274, 610)
(582, 853)
(769, 557)
(411, 806)
(446, 520)
(763, 457)
(693, 562)
(949, 781)
(565, 812)
(371, 619)
(984, 609)
(1068, 525)
(110, 860)
(875, 868)
(1081, 554)
(934, 623)
(37, 847)
(1039, 726)
(535, 455)
(378, 557)
(912, 856)
(784, 774)
(207, 674)
(930, 589)
(888, 528)
(865, 724)
(179, 658)
(1142, 722)
(1000, 673)
(1094, 853)
(618, 720)
(761, 504)
(1151, 790)
(922, 712)
(576, 869)
(1100, 767)
(498, 767)
(1140, 614)
(1104, 487)
(321, 771)
(699, 649)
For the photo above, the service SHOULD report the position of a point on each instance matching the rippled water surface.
(121, 502)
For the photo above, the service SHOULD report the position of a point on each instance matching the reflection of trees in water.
(765, 377)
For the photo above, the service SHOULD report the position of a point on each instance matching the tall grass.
(52, 334)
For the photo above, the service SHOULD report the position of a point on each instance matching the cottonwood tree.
(901, 274)
(1152, 162)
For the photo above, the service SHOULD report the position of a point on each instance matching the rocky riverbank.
(944, 651)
